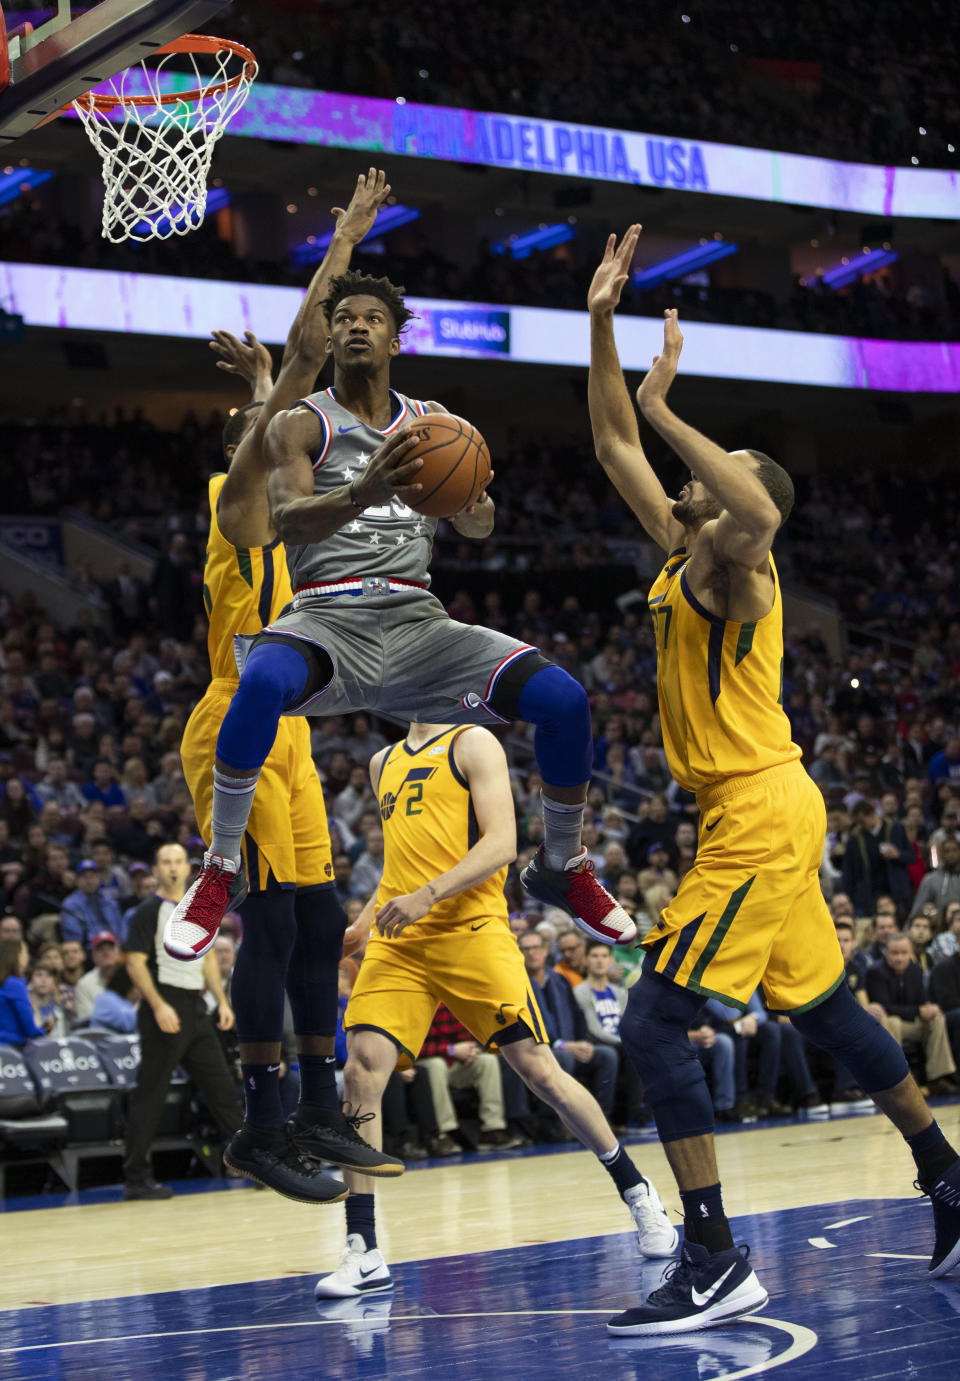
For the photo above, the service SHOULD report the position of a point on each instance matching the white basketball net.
(156, 155)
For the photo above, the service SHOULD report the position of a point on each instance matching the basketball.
(456, 464)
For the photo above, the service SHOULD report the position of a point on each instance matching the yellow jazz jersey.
(461, 953)
(428, 826)
(720, 685)
(244, 588)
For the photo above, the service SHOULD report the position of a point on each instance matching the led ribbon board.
(151, 304)
(378, 126)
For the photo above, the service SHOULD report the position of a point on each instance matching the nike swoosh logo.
(708, 828)
(341, 429)
(374, 1269)
(708, 1294)
(272, 1069)
(480, 926)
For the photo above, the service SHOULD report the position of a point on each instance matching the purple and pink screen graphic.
(451, 134)
(150, 304)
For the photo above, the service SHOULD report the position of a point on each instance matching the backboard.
(44, 68)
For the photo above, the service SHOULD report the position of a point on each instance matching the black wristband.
(352, 497)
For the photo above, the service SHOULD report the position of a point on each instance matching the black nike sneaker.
(272, 1159)
(945, 1201)
(698, 1291)
(331, 1135)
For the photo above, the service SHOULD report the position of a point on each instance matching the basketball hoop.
(157, 145)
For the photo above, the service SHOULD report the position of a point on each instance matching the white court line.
(899, 1256)
(845, 1222)
(802, 1339)
(820, 1242)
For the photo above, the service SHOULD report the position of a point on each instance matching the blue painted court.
(848, 1295)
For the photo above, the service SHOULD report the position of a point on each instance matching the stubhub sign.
(483, 331)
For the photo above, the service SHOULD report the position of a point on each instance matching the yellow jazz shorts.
(287, 833)
(479, 976)
(750, 910)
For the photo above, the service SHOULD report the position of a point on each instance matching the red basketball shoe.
(576, 890)
(192, 929)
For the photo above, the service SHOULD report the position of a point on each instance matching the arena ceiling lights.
(20, 181)
(682, 264)
(312, 250)
(845, 274)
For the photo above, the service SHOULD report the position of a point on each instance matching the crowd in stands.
(851, 81)
(879, 306)
(91, 783)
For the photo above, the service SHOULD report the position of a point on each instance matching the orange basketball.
(456, 464)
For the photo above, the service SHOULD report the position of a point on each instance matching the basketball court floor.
(505, 1266)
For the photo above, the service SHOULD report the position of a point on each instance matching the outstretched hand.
(613, 271)
(370, 193)
(247, 358)
(656, 385)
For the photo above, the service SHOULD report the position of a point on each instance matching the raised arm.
(300, 516)
(616, 437)
(745, 530)
(483, 764)
(306, 346)
(305, 350)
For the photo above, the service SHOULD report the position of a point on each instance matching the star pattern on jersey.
(348, 474)
(402, 537)
(375, 539)
(354, 526)
(419, 527)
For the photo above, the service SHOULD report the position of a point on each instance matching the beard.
(693, 513)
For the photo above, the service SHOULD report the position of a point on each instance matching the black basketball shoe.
(331, 1135)
(272, 1159)
(698, 1291)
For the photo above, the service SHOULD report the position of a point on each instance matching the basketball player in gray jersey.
(364, 632)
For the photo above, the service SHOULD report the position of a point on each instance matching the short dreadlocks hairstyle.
(350, 283)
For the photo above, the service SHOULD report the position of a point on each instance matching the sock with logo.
(704, 1221)
(360, 1219)
(621, 1169)
(318, 1082)
(261, 1096)
(933, 1154)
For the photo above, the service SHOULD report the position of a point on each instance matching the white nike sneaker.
(360, 1272)
(656, 1235)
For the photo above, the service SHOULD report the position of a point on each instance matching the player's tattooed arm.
(616, 436)
(298, 515)
(744, 532)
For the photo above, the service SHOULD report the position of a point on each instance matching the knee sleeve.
(257, 987)
(840, 1026)
(654, 1035)
(273, 678)
(312, 978)
(560, 708)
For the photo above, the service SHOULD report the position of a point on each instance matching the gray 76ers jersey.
(388, 542)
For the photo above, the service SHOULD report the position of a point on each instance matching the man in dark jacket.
(896, 985)
(945, 992)
(875, 860)
(594, 1065)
